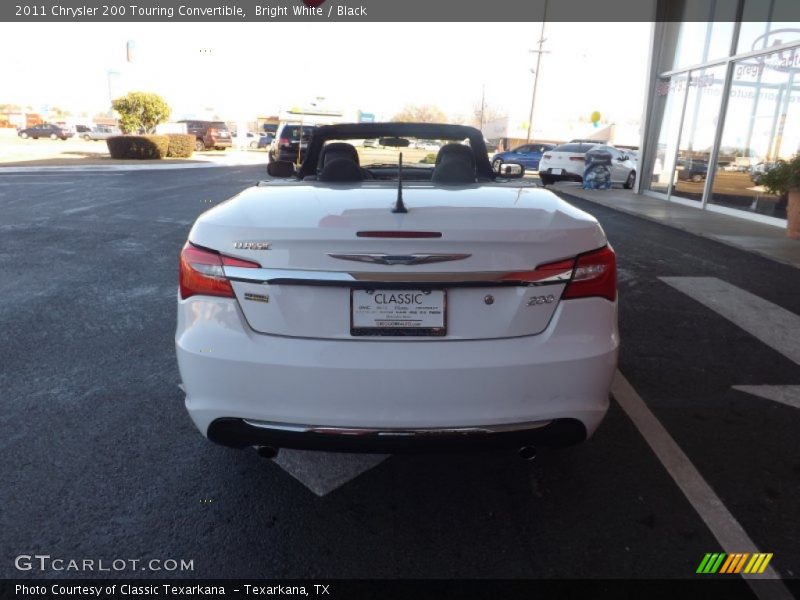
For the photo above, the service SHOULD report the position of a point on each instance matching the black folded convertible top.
(428, 131)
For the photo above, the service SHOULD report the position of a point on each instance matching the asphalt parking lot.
(102, 461)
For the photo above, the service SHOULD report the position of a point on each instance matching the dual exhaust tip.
(270, 452)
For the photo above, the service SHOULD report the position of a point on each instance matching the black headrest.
(337, 150)
(453, 172)
(341, 170)
(459, 151)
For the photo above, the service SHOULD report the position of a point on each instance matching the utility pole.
(538, 53)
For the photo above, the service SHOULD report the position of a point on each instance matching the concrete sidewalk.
(767, 240)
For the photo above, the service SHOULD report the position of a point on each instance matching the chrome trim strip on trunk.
(370, 279)
(404, 432)
(399, 259)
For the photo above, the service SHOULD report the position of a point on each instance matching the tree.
(424, 113)
(141, 110)
(485, 113)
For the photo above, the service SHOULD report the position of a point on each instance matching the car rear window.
(293, 132)
(573, 147)
(218, 125)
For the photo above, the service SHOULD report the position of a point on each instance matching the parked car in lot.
(290, 142)
(209, 134)
(567, 163)
(692, 169)
(429, 145)
(332, 307)
(758, 171)
(264, 140)
(46, 130)
(528, 155)
(101, 132)
(252, 139)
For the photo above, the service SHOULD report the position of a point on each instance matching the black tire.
(23, 135)
(54, 136)
(199, 145)
(496, 164)
(546, 179)
(628, 185)
(220, 148)
(87, 137)
(697, 177)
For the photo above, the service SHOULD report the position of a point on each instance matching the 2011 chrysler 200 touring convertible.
(360, 304)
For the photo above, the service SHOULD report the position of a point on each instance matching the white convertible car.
(374, 300)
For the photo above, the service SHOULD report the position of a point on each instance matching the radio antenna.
(399, 207)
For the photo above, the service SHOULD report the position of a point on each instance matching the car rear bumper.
(240, 433)
(564, 176)
(220, 143)
(232, 374)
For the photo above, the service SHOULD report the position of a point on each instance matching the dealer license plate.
(398, 312)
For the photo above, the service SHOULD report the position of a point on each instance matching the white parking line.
(323, 472)
(773, 325)
(785, 394)
(729, 533)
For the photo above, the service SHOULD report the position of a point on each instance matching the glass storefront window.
(697, 134)
(764, 25)
(762, 125)
(705, 33)
(669, 94)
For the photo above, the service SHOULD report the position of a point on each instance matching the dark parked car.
(694, 170)
(45, 130)
(290, 142)
(209, 134)
(527, 155)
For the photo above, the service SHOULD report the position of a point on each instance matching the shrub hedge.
(430, 159)
(181, 145)
(138, 147)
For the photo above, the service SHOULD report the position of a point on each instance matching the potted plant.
(784, 179)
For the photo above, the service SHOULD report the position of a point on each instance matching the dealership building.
(723, 104)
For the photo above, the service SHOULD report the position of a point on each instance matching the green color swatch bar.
(717, 564)
(703, 563)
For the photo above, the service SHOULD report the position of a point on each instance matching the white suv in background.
(567, 163)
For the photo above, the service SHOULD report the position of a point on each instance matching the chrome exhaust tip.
(527, 453)
(267, 451)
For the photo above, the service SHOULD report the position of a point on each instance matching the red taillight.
(399, 234)
(547, 156)
(580, 158)
(201, 272)
(552, 271)
(284, 141)
(595, 274)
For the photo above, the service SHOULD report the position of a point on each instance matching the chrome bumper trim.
(370, 279)
(398, 432)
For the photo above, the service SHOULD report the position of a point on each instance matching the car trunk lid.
(325, 251)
